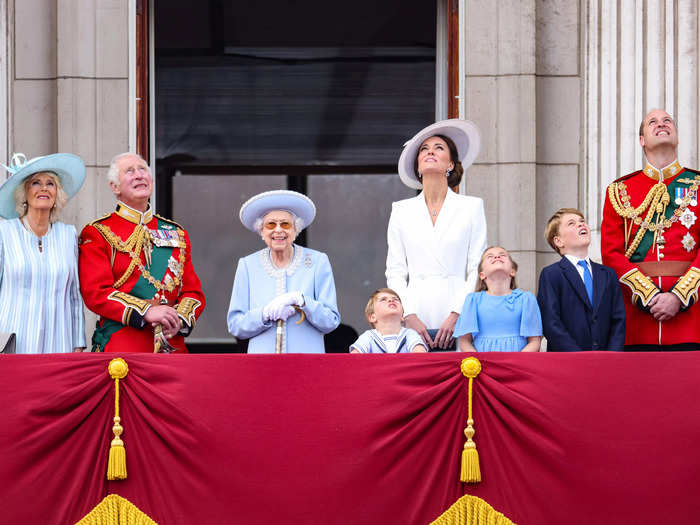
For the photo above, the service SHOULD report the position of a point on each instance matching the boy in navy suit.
(580, 300)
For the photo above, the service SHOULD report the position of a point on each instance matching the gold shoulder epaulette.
(100, 219)
(625, 177)
(170, 221)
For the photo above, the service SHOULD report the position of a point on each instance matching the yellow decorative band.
(472, 510)
(643, 288)
(686, 289)
(187, 308)
(114, 509)
(129, 301)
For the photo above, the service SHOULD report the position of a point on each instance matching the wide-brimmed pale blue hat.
(263, 203)
(69, 168)
(464, 133)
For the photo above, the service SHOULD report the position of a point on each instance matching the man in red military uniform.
(650, 236)
(135, 270)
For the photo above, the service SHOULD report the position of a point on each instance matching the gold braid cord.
(686, 289)
(134, 246)
(654, 203)
(470, 510)
(115, 510)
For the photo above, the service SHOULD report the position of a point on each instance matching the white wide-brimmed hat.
(464, 133)
(263, 203)
(69, 168)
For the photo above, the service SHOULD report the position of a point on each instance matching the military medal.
(680, 195)
(687, 218)
(688, 242)
(175, 266)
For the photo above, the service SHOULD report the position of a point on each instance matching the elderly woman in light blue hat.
(39, 289)
(283, 296)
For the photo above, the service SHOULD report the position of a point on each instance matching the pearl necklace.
(28, 226)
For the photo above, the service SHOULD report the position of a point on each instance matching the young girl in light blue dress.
(498, 317)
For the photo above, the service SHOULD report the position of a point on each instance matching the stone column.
(92, 95)
(500, 90)
(558, 115)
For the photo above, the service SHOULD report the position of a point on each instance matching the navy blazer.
(569, 321)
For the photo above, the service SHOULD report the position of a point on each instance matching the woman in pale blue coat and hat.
(283, 288)
(39, 289)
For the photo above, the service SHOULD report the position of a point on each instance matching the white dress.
(433, 268)
(39, 290)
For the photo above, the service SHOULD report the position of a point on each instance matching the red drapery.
(563, 438)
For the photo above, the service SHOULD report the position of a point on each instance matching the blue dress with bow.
(500, 323)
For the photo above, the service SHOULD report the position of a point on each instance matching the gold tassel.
(471, 472)
(116, 466)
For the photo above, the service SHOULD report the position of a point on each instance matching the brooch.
(688, 242)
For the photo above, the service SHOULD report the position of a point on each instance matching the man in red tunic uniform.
(650, 233)
(135, 270)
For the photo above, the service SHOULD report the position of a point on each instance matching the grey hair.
(20, 196)
(113, 171)
(298, 223)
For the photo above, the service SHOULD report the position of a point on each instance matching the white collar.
(574, 260)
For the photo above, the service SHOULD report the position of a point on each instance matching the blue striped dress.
(39, 290)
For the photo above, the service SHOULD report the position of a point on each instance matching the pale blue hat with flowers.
(286, 200)
(69, 168)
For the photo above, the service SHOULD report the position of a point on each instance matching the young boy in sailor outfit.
(384, 313)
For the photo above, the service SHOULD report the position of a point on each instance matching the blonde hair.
(20, 196)
(481, 283)
(369, 309)
(553, 224)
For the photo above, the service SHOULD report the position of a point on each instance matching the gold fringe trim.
(116, 465)
(115, 510)
(470, 510)
(470, 472)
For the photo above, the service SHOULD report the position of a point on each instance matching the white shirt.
(574, 260)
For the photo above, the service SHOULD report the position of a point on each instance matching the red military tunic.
(129, 261)
(649, 235)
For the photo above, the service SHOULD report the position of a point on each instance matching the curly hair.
(20, 196)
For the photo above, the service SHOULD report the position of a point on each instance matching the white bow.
(17, 162)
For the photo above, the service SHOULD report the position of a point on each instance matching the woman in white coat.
(435, 239)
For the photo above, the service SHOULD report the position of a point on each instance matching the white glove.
(282, 306)
(282, 312)
(293, 298)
